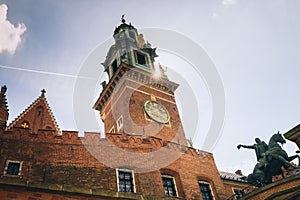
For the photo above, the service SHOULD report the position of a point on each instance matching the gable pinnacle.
(43, 92)
(3, 89)
(3, 101)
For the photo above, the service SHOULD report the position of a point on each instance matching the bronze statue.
(260, 148)
(270, 160)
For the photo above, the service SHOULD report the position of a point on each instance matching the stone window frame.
(132, 176)
(13, 161)
(174, 182)
(210, 187)
(147, 64)
(120, 123)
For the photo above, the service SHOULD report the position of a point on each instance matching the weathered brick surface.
(24, 194)
(64, 160)
(276, 189)
(68, 164)
(38, 116)
(231, 184)
(3, 115)
(128, 101)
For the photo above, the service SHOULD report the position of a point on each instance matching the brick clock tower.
(141, 118)
(138, 99)
(143, 156)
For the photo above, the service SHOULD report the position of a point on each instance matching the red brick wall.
(282, 189)
(10, 193)
(128, 101)
(230, 185)
(64, 160)
(67, 160)
(3, 115)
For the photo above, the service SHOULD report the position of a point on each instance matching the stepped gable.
(37, 116)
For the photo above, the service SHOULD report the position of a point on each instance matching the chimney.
(239, 172)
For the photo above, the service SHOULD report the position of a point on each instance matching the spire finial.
(123, 19)
(3, 89)
(43, 92)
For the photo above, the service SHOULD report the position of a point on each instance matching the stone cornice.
(293, 134)
(140, 76)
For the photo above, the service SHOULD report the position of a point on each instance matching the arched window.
(39, 111)
(132, 34)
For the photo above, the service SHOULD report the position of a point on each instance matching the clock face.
(156, 112)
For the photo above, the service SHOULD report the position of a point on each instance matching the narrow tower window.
(131, 34)
(112, 130)
(141, 58)
(114, 66)
(120, 123)
(39, 111)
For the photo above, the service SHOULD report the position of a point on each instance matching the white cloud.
(229, 2)
(10, 36)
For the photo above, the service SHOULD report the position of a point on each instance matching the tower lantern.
(130, 48)
(136, 100)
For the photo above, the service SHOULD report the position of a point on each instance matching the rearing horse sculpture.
(271, 162)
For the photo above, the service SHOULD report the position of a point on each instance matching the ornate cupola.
(139, 98)
(130, 48)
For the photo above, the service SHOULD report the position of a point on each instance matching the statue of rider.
(260, 148)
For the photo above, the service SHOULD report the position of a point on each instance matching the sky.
(254, 46)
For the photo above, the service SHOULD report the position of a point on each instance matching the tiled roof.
(232, 176)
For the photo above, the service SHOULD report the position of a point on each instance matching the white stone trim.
(207, 183)
(174, 181)
(120, 122)
(13, 161)
(125, 170)
(112, 129)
